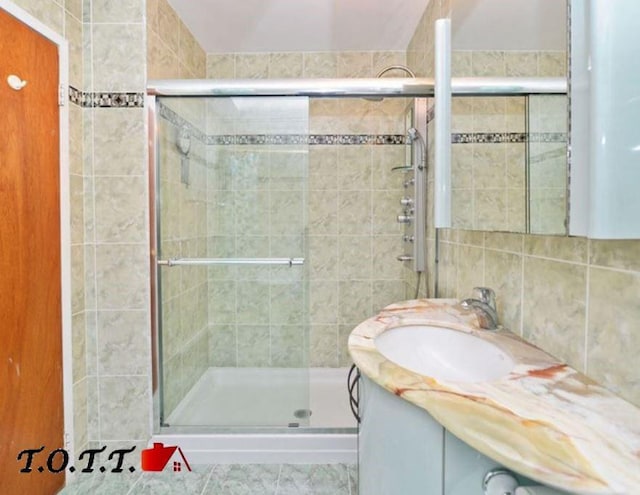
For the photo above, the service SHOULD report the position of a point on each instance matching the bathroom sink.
(444, 354)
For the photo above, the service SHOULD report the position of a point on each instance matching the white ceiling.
(223, 26)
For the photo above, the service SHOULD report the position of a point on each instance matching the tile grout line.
(135, 483)
(94, 243)
(522, 261)
(277, 488)
(586, 310)
(206, 483)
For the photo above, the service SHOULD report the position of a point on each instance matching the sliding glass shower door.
(231, 220)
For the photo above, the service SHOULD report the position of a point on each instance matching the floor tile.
(243, 479)
(313, 479)
(168, 483)
(223, 479)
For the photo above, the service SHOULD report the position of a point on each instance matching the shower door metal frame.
(157, 378)
(396, 87)
(157, 385)
(419, 87)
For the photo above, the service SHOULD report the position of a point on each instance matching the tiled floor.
(232, 479)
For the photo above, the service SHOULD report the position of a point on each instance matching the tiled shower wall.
(258, 315)
(490, 133)
(353, 235)
(575, 298)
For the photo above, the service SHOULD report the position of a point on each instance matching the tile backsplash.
(573, 297)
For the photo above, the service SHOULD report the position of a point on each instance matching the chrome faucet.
(483, 303)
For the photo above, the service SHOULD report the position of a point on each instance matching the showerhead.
(396, 67)
(383, 72)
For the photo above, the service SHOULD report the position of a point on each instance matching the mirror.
(509, 154)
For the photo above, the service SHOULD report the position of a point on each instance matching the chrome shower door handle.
(231, 261)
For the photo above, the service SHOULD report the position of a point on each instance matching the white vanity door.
(399, 445)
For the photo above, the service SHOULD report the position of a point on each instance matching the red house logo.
(158, 457)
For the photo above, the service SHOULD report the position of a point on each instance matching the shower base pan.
(216, 421)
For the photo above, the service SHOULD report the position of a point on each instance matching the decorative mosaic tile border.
(88, 99)
(488, 137)
(349, 139)
(342, 139)
(180, 122)
(277, 139)
(507, 137)
(306, 139)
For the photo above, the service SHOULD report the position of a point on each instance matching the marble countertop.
(544, 419)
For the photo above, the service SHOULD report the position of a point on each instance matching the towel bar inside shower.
(231, 261)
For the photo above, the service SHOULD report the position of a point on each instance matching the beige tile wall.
(172, 51)
(575, 298)
(488, 179)
(353, 198)
(256, 207)
(116, 266)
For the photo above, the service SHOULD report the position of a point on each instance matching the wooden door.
(31, 414)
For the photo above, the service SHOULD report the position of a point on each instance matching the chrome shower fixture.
(396, 67)
(388, 69)
(412, 135)
(413, 201)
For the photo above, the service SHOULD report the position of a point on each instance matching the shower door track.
(357, 87)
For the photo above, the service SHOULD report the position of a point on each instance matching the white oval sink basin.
(444, 354)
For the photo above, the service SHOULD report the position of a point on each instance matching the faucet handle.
(486, 295)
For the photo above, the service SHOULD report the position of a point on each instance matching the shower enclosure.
(275, 231)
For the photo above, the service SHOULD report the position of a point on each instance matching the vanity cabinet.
(402, 449)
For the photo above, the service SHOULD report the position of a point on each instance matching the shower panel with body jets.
(414, 201)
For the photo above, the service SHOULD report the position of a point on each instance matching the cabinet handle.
(353, 380)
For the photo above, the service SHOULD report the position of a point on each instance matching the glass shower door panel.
(250, 254)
